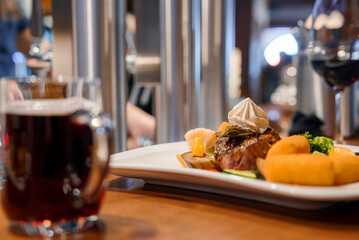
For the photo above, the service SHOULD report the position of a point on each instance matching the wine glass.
(334, 47)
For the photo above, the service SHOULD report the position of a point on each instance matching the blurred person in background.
(141, 127)
(14, 35)
(140, 121)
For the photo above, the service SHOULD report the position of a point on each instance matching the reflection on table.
(135, 210)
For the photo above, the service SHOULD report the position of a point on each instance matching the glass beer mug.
(55, 146)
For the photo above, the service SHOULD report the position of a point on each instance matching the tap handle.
(36, 22)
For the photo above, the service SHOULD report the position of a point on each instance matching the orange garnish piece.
(198, 147)
(223, 126)
(337, 152)
(181, 161)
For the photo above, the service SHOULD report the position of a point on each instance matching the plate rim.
(314, 193)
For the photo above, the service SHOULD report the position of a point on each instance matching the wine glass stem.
(338, 137)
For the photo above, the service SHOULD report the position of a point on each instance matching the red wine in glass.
(339, 74)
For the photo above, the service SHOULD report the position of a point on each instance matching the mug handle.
(102, 133)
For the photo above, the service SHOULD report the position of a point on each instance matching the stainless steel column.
(89, 41)
(168, 59)
(349, 111)
(218, 19)
(180, 31)
(113, 67)
(192, 60)
(194, 41)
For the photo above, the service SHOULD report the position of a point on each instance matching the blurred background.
(186, 63)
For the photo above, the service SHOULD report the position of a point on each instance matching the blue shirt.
(9, 30)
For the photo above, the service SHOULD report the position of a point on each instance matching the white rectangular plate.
(158, 164)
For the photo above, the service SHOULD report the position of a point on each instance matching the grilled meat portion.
(240, 153)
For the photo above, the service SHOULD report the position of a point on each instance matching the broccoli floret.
(319, 144)
(308, 136)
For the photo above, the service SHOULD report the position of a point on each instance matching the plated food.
(247, 146)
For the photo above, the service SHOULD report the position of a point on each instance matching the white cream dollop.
(249, 116)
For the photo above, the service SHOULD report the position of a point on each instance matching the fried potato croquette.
(346, 169)
(289, 145)
(301, 169)
(337, 152)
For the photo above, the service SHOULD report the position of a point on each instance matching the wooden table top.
(134, 210)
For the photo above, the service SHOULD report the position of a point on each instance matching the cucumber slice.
(242, 173)
(317, 152)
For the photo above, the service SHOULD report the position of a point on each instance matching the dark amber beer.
(55, 151)
(49, 161)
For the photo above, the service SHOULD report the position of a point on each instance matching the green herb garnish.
(233, 131)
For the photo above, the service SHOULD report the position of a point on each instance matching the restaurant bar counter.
(134, 210)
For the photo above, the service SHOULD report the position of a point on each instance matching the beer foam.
(49, 107)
